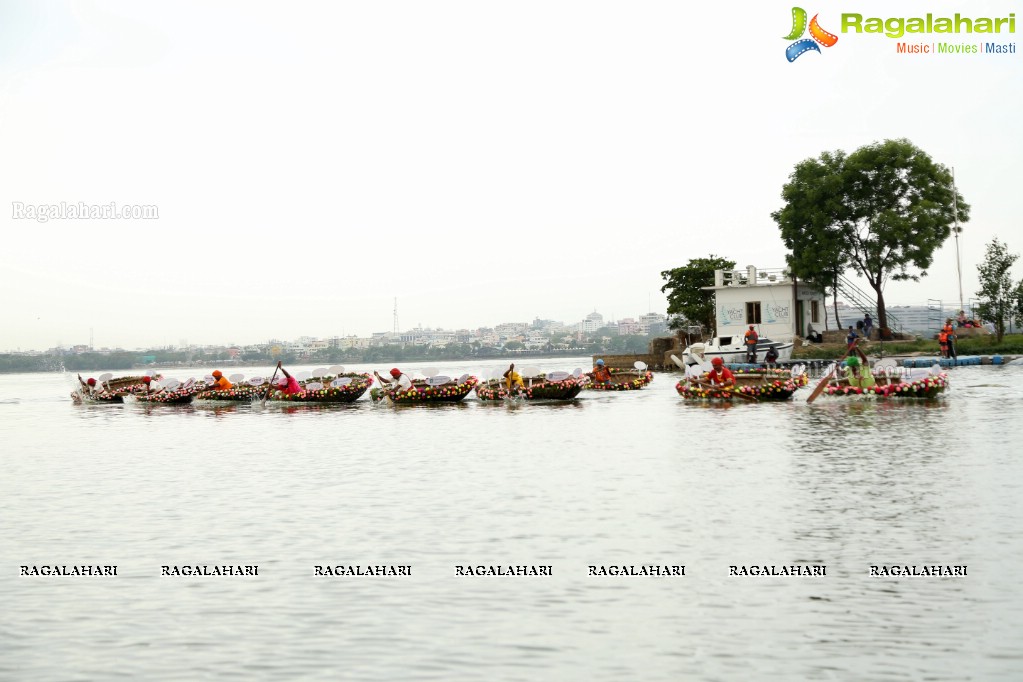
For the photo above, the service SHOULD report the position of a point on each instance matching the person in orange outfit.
(220, 382)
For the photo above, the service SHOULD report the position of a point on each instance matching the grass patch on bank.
(1012, 344)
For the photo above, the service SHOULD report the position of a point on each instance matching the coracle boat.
(342, 387)
(622, 380)
(757, 385)
(893, 382)
(435, 389)
(110, 390)
(536, 386)
(169, 392)
(241, 391)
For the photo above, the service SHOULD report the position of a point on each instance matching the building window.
(815, 311)
(753, 312)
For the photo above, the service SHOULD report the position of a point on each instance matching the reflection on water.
(627, 478)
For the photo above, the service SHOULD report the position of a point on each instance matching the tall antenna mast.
(957, 230)
(396, 315)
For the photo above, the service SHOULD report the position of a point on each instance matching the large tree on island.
(1001, 298)
(683, 285)
(813, 197)
(888, 207)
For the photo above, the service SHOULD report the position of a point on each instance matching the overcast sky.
(482, 162)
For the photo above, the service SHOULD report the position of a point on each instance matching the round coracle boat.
(342, 388)
(436, 389)
(168, 392)
(926, 387)
(621, 380)
(550, 386)
(754, 385)
(110, 390)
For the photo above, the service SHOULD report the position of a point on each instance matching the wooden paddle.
(270, 386)
(824, 382)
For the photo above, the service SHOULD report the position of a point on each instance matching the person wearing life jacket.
(950, 338)
(719, 375)
(601, 374)
(943, 342)
(220, 382)
(750, 338)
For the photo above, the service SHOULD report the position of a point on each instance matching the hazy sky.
(480, 161)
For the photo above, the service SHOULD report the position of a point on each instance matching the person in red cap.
(89, 386)
(146, 381)
(719, 375)
(399, 380)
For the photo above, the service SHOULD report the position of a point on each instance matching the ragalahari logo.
(818, 35)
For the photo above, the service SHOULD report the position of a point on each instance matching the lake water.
(630, 478)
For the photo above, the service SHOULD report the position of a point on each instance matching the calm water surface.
(628, 478)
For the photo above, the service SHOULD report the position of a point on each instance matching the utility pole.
(396, 316)
(957, 230)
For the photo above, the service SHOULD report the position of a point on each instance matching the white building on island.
(779, 307)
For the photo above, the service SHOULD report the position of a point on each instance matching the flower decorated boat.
(621, 380)
(169, 392)
(757, 385)
(436, 389)
(549, 386)
(110, 390)
(240, 392)
(345, 387)
(926, 387)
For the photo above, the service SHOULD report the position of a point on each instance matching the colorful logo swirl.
(818, 35)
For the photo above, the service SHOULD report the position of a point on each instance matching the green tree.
(1002, 298)
(686, 299)
(887, 207)
(814, 197)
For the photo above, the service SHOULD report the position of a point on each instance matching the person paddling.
(719, 375)
(399, 380)
(287, 385)
(220, 382)
(88, 386)
(601, 374)
(513, 380)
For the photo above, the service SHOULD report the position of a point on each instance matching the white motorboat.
(732, 350)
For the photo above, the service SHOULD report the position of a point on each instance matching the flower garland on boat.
(328, 394)
(778, 389)
(639, 382)
(927, 387)
(426, 393)
(233, 394)
(542, 390)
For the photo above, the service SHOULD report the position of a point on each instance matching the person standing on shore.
(868, 326)
(950, 337)
(751, 338)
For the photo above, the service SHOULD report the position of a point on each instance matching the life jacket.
(602, 374)
(751, 338)
(943, 337)
(948, 330)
